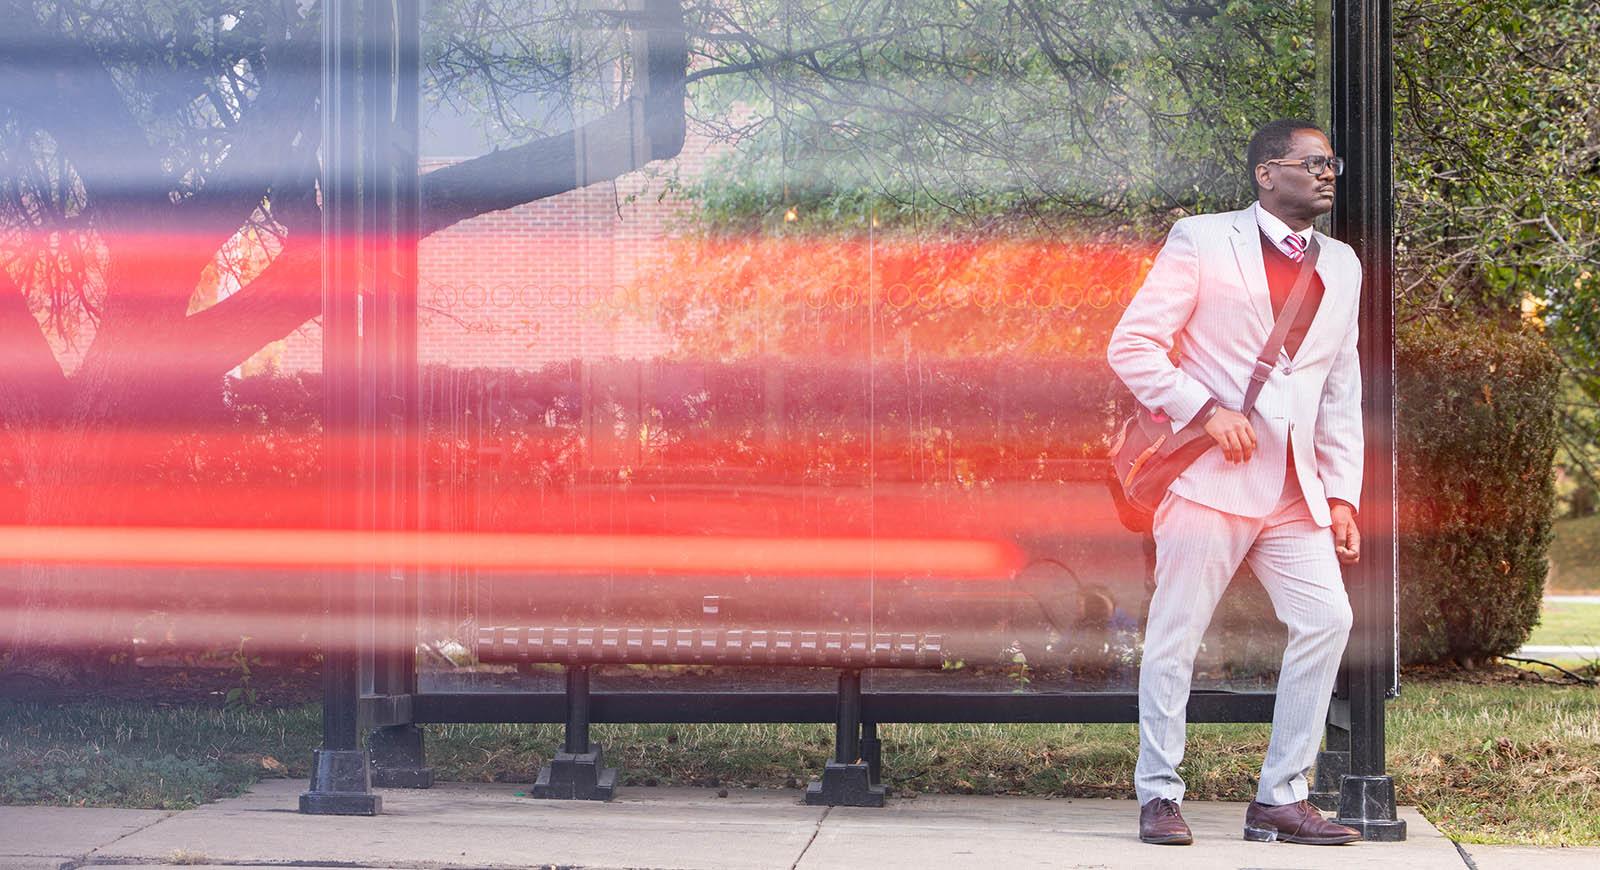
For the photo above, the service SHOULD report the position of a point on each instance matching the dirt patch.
(170, 685)
(1494, 673)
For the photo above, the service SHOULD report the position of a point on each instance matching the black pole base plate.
(1367, 804)
(576, 776)
(398, 757)
(336, 804)
(846, 785)
(341, 785)
(1391, 831)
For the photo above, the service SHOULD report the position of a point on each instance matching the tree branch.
(31, 381)
(603, 149)
(285, 295)
(65, 89)
(281, 120)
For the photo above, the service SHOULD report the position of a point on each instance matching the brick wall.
(541, 282)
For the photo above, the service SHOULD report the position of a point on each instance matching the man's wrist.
(1335, 502)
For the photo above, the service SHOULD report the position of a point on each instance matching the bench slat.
(588, 644)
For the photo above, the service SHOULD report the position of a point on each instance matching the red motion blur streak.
(828, 557)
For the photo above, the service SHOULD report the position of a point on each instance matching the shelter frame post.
(1363, 133)
(341, 777)
(369, 361)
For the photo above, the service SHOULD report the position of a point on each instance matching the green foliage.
(243, 695)
(1497, 172)
(936, 115)
(108, 779)
(141, 756)
(1477, 430)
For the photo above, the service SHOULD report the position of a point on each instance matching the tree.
(1497, 172)
(978, 156)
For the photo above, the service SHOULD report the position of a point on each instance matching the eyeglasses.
(1314, 164)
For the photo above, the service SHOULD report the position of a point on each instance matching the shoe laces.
(1167, 807)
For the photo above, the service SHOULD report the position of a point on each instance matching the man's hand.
(1233, 434)
(1346, 539)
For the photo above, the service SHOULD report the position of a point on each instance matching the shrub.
(1476, 438)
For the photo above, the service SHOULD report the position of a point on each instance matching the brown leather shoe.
(1162, 824)
(1294, 823)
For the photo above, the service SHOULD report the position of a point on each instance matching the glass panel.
(159, 443)
(831, 370)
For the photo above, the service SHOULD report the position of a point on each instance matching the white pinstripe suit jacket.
(1208, 292)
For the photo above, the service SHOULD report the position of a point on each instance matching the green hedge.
(1476, 438)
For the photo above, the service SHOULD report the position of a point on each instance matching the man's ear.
(1263, 177)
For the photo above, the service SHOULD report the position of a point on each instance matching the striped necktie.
(1295, 247)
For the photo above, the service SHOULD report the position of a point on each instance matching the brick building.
(543, 282)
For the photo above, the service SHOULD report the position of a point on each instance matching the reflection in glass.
(749, 316)
(860, 315)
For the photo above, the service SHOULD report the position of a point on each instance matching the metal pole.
(397, 746)
(341, 771)
(1363, 134)
(340, 357)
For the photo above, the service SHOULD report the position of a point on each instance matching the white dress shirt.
(1277, 231)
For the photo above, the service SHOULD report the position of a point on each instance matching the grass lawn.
(1575, 556)
(1567, 624)
(1500, 762)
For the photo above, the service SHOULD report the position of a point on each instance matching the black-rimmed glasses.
(1314, 164)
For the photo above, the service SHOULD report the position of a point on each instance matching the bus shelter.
(724, 462)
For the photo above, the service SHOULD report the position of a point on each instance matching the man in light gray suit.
(1281, 490)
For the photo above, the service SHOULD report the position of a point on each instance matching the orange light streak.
(841, 557)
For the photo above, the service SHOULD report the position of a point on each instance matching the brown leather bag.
(1147, 456)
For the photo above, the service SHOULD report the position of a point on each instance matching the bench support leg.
(398, 759)
(872, 751)
(578, 771)
(847, 779)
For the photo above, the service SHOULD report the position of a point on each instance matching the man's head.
(1285, 184)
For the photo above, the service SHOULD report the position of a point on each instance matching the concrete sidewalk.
(482, 826)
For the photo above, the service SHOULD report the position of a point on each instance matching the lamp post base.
(1366, 803)
(341, 785)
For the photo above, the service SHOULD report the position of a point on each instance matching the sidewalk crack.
(1465, 856)
(87, 857)
(814, 832)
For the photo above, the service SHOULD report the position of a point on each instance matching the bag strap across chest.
(1280, 328)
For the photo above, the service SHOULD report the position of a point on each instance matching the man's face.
(1290, 186)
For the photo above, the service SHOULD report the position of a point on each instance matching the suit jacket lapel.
(1247, 250)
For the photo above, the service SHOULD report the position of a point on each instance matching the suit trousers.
(1198, 549)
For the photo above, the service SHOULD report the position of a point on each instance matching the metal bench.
(578, 771)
